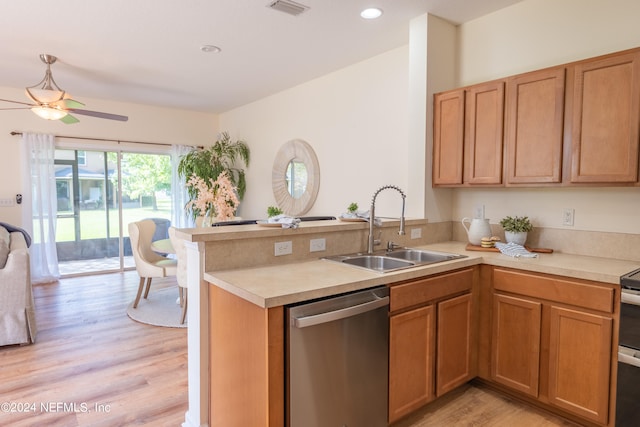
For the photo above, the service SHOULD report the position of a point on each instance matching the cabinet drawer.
(421, 291)
(556, 289)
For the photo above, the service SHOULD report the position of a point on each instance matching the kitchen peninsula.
(238, 289)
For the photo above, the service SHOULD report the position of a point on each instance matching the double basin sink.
(397, 259)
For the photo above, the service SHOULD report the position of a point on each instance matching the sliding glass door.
(98, 194)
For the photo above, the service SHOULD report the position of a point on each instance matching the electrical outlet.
(478, 211)
(416, 233)
(6, 202)
(316, 245)
(283, 248)
(567, 217)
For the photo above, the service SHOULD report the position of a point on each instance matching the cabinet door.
(411, 361)
(535, 113)
(515, 356)
(580, 362)
(448, 138)
(455, 350)
(484, 118)
(605, 112)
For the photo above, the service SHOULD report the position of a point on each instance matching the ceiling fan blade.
(17, 102)
(99, 114)
(69, 103)
(69, 120)
(15, 108)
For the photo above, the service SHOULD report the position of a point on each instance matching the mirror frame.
(302, 151)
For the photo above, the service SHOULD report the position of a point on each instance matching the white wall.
(356, 119)
(148, 124)
(535, 34)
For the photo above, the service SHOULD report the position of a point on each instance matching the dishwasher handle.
(354, 310)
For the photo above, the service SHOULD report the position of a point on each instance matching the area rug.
(159, 309)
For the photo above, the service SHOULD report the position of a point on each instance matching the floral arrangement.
(216, 199)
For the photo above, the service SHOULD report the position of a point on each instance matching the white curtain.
(40, 205)
(179, 195)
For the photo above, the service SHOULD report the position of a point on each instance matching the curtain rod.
(14, 133)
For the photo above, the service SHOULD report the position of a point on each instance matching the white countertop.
(274, 286)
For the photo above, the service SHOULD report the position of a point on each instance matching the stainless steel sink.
(422, 257)
(386, 261)
(378, 263)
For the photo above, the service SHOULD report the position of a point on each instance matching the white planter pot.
(518, 237)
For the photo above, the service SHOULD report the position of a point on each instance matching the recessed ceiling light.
(371, 13)
(209, 48)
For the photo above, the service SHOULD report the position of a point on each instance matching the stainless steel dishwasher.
(338, 361)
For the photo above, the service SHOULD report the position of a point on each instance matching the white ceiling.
(148, 51)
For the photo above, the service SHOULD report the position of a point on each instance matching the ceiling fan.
(52, 103)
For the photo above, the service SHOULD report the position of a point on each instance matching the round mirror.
(295, 177)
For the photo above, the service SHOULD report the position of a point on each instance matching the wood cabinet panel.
(456, 353)
(559, 289)
(252, 355)
(421, 291)
(448, 138)
(515, 357)
(605, 119)
(411, 361)
(579, 363)
(484, 129)
(535, 122)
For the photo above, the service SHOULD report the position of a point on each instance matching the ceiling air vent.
(288, 6)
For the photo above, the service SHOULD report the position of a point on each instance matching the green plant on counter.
(516, 224)
(273, 211)
(353, 208)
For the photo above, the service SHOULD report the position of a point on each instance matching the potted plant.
(273, 211)
(208, 164)
(516, 228)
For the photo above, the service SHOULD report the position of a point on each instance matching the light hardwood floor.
(118, 372)
(89, 352)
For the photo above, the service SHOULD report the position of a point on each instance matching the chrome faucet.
(372, 216)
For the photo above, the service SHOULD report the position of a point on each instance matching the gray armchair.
(17, 313)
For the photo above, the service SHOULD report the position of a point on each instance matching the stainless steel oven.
(628, 391)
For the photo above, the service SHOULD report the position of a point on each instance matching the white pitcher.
(478, 228)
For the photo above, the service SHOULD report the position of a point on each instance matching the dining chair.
(181, 274)
(148, 263)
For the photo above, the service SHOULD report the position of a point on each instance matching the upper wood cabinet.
(468, 136)
(575, 124)
(484, 127)
(535, 119)
(605, 115)
(448, 138)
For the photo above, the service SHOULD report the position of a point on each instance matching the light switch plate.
(416, 233)
(6, 202)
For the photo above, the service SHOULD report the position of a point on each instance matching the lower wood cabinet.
(456, 354)
(515, 356)
(411, 358)
(432, 339)
(553, 340)
(580, 362)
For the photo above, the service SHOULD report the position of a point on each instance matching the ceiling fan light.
(49, 113)
(45, 96)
